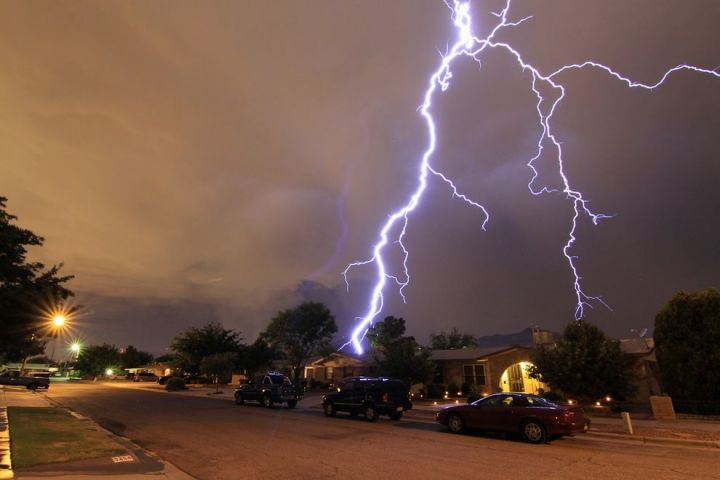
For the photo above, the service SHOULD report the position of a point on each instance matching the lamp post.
(59, 321)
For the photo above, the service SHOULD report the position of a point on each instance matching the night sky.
(193, 161)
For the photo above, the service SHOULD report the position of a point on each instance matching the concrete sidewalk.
(138, 464)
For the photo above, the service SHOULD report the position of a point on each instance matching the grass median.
(44, 435)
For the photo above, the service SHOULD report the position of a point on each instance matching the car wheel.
(32, 386)
(455, 423)
(329, 410)
(292, 403)
(371, 413)
(239, 400)
(396, 415)
(533, 431)
(267, 401)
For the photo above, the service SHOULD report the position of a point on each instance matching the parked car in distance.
(163, 379)
(371, 396)
(536, 419)
(145, 377)
(13, 378)
(268, 389)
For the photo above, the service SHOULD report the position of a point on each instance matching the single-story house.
(491, 370)
(159, 369)
(336, 366)
(646, 372)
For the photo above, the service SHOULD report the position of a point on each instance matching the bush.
(435, 390)
(174, 384)
(453, 389)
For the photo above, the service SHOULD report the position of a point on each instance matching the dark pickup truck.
(269, 389)
(14, 378)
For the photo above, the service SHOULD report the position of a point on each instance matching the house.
(646, 372)
(336, 366)
(158, 369)
(489, 369)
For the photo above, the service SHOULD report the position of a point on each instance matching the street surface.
(211, 438)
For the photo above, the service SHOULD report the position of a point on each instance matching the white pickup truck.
(14, 378)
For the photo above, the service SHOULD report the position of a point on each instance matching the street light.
(59, 321)
(75, 348)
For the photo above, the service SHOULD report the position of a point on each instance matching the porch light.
(597, 404)
(608, 399)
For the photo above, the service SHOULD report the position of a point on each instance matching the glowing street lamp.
(59, 321)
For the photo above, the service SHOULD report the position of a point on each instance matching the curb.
(658, 440)
(5, 458)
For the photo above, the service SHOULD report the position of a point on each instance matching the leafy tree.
(257, 357)
(132, 357)
(452, 339)
(194, 344)
(95, 359)
(219, 367)
(166, 358)
(24, 288)
(301, 333)
(687, 339)
(585, 364)
(397, 355)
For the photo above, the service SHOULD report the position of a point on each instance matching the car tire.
(455, 423)
(239, 400)
(371, 413)
(396, 415)
(32, 386)
(267, 401)
(533, 431)
(329, 410)
(292, 403)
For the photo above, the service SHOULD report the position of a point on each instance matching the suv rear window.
(279, 380)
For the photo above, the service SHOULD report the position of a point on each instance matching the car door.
(491, 413)
(251, 390)
(344, 396)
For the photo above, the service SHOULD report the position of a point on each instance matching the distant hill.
(522, 338)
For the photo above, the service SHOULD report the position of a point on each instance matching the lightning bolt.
(468, 45)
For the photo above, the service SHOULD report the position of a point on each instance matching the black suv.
(270, 388)
(370, 396)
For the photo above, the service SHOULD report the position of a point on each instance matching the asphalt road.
(216, 439)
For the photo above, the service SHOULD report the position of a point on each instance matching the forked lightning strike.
(468, 45)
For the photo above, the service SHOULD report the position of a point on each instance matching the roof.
(637, 346)
(470, 353)
(341, 360)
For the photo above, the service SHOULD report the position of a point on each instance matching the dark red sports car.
(534, 418)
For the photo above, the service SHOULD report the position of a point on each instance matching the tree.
(132, 357)
(301, 333)
(25, 287)
(257, 357)
(585, 364)
(96, 359)
(451, 339)
(219, 367)
(397, 355)
(687, 339)
(194, 344)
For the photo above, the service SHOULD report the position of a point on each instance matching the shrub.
(174, 384)
(453, 389)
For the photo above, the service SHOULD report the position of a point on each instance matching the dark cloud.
(197, 163)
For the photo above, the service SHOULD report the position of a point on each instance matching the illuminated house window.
(474, 374)
(329, 373)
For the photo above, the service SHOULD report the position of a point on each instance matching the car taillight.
(385, 398)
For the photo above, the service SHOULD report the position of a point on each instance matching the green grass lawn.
(41, 435)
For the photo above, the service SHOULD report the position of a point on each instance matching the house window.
(329, 373)
(474, 374)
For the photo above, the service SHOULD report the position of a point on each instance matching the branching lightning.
(468, 45)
